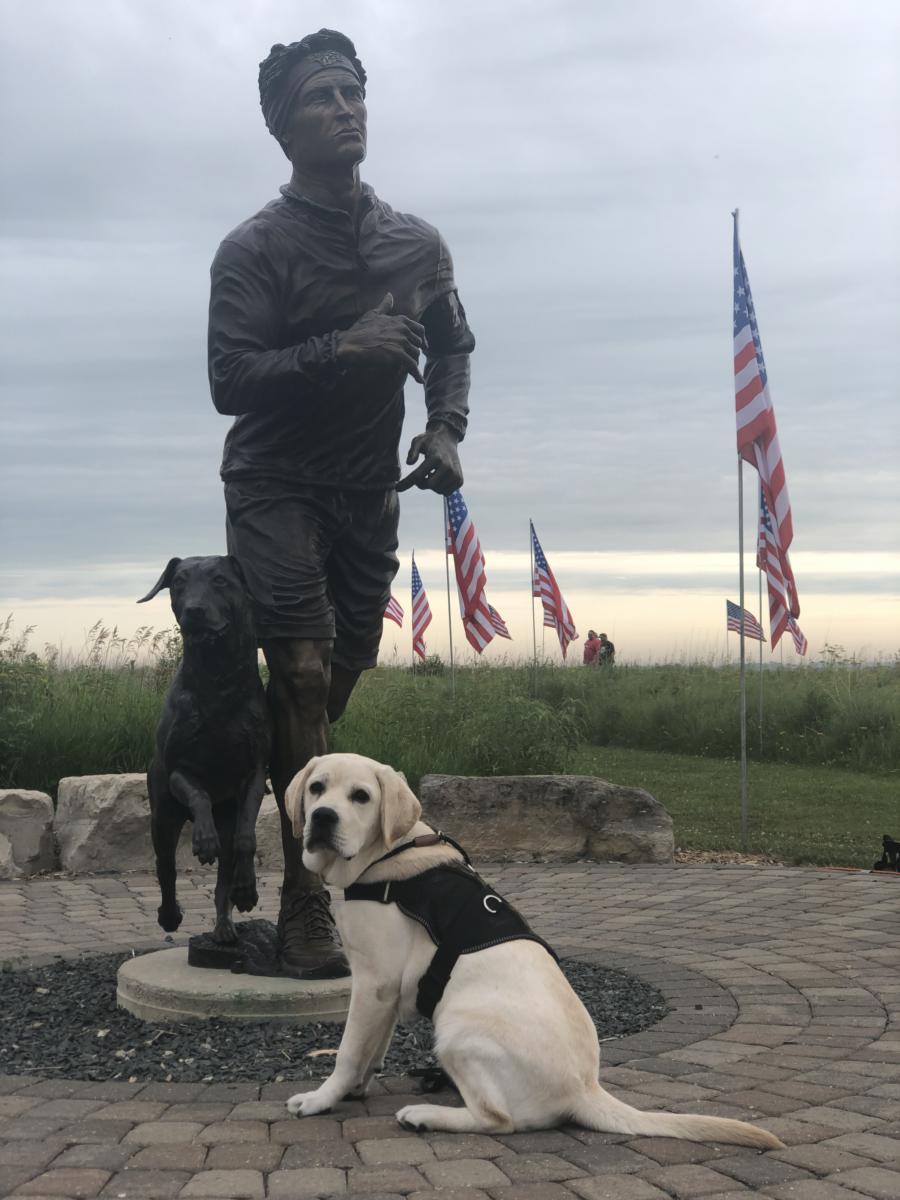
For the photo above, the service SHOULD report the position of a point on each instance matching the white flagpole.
(449, 610)
(743, 673)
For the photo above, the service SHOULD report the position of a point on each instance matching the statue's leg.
(165, 827)
(224, 932)
(299, 680)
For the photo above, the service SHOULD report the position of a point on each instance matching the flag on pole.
(481, 622)
(421, 611)
(757, 438)
(556, 611)
(801, 645)
(771, 560)
(394, 612)
(752, 627)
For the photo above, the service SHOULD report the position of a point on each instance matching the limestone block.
(549, 818)
(26, 819)
(8, 868)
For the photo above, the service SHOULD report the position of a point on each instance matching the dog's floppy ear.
(293, 798)
(399, 807)
(164, 580)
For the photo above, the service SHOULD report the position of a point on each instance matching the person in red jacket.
(592, 650)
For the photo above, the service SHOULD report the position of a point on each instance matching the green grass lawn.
(797, 814)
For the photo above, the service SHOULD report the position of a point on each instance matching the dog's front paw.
(415, 1117)
(169, 918)
(307, 1104)
(205, 844)
(224, 933)
(244, 895)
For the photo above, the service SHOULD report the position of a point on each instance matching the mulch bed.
(62, 1021)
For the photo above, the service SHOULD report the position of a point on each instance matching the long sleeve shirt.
(284, 283)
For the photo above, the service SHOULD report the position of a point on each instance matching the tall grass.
(97, 714)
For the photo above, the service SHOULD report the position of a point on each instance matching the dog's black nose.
(324, 817)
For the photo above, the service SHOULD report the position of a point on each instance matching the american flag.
(556, 611)
(801, 645)
(421, 612)
(752, 627)
(757, 436)
(394, 612)
(770, 559)
(481, 621)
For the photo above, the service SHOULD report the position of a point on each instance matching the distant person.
(592, 650)
(607, 652)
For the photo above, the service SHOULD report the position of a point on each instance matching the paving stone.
(236, 1185)
(304, 1185)
(330, 1153)
(550, 1141)
(759, 1170)
(131, 1110)
(689, 1179)
(538, 1168)
(234, 1131)
(871, 1181)
(604, 1158)
(459, 1172)
(254, 1110)
(671, 1151)
(66, 1181)
(14, 1106)
(104, 1156)
(357, 1128)
(449, 1194)
(525, 1191)
(824, 1159)
(28, 1129)
(309, 1129)
(206, 1113)
(163, 1133)
(469, 1145)
(246, 1156)
(68, 1110)
(187, 1157)
(30, 1153)
(616, 1187)
(868, 1145)
(379, 1151)
(810, 1189)
(402, 1179)
(147, 1185)
(836, 1118)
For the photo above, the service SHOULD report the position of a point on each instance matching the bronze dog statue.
(212, 741)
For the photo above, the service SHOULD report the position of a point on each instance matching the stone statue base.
(254, 953)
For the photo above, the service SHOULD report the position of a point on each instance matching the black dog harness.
(459, 911)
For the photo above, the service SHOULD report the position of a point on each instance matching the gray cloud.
(580, 160)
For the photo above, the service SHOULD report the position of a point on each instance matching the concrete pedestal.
(163, 987)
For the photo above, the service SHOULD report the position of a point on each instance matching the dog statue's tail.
(605, 1113)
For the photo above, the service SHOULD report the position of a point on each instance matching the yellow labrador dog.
(510, 1032)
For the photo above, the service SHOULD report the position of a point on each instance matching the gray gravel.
(61, 1021)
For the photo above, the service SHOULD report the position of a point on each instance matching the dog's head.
(347, 810)
(209, 597)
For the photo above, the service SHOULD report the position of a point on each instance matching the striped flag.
(801, 645)
(770, 560)
(752, 627)
(421, 612)
(757, 436)
(394, 612)
(556, 611)
(481, 622)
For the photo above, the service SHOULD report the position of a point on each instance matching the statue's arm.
(448, 343)
(246, 370)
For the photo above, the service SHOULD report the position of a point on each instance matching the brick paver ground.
(785, 987)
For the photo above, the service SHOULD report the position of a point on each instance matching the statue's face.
(327, 129)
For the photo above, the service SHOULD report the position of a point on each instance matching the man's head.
(591, 635)
(312, 94)
(603, 637)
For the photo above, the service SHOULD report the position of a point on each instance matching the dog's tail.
(603, 1112)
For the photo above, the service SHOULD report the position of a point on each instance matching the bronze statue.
(320, 306)
(212, 741)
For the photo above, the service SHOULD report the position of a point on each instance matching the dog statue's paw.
(225, 933)
(415, 1117)
(169, 918)
(307, 1104)
(244, 895)
(205, 845)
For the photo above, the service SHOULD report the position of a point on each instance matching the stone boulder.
(103, 824)
(8, 868)
(548, 818)
(26, 820)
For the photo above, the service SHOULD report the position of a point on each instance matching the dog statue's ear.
(400, 808)
(293, 798)
(164, 580)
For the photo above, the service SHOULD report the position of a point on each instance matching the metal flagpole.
(449, 610)
(760, 665)
(743, 659)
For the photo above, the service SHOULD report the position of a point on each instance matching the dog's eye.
(360, 796)
(220, 581)
(317, 787)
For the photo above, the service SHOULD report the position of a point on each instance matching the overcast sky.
(581, 160)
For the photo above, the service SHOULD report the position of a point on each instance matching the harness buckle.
(387, 888)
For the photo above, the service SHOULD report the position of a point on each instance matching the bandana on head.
(278, 101)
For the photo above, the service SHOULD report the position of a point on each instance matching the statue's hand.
(441, 471)
(378, 339)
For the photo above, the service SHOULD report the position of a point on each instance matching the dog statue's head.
(209, 597)
(347, 811)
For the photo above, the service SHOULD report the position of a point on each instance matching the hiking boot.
(309, 946)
